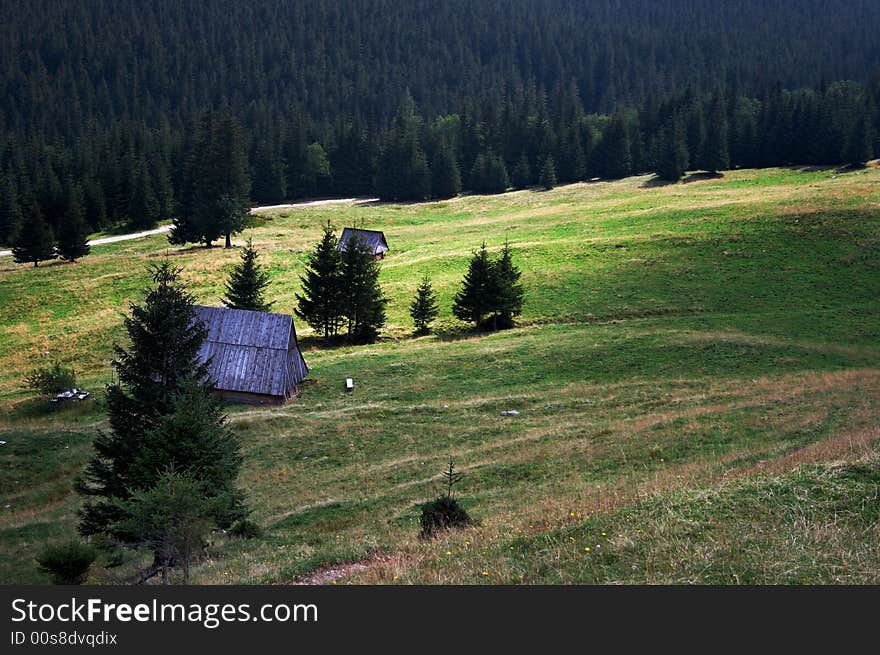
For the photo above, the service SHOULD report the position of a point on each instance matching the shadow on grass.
(656, 181)
(702, 176)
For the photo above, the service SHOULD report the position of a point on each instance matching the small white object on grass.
(510, 412)
(349, 384)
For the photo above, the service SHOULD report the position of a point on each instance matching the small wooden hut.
(254, 357)
(374, 240)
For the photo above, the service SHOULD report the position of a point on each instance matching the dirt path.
(166, 228)
(318, 203)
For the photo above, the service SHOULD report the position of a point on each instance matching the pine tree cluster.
(247, 283)
(340, 291)
(491, 295)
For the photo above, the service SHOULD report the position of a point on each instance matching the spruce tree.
(403, 173)
(73, 232)
(477, 297)
(143, 206)
(509, 299)
(715, 155)
(445, 176)
(572, 164)
(363, 304)
(672, 156)
(216, 184)
(183, 231)
(424, 308)
(522, 174)
(247, 283)
(194, 438)
(548, 174)
(34, 242)
(232, 173)
(159, 362)
(614, 153)
(489, 174)
(171, 518)
(320, 303)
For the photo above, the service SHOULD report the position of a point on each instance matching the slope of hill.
(674, 337)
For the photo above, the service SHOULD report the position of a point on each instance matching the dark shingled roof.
(251, 352)
(374, 239)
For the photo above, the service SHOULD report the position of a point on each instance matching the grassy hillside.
(683, 350)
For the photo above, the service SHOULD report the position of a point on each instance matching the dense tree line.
(110, 100)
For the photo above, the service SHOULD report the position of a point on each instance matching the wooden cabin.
(374, 240)
(253, 356)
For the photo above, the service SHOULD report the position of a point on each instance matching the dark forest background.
(106, 104)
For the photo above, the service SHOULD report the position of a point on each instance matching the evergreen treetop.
(424, 307)
(247, 283)
(320, 303)
(476, 298)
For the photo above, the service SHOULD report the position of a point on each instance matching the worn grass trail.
(683, 349)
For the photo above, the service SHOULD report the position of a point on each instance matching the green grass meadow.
(697, 371)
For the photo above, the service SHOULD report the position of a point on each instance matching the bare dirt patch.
(330, 574)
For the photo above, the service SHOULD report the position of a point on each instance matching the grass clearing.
(683, 349)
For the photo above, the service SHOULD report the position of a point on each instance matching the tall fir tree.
(445, 176)
(73, 233)
(424, 307)
(489, 174)
(548, 174)
(268, 186)
(479, 289)
(614, 153)
(363, 304)
(352, 161)
(522, 173)
(161, 360)
(715, 154)
(216, 184)
(672, 156)
(232, 208)
(35, 241)
(572, 163)
(403, 172)
(142, 209)
(247, 283)
(320, 303)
